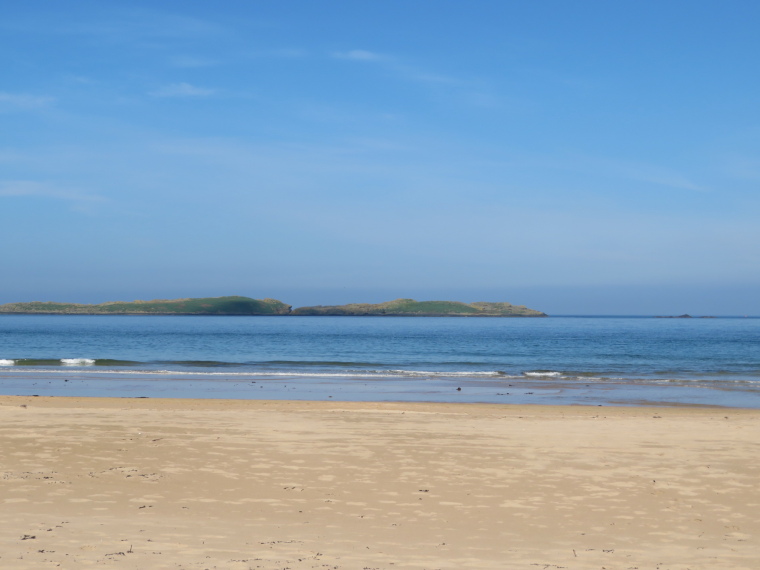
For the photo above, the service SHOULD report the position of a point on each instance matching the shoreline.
(268, 484)
(643, 408)
(246, 386)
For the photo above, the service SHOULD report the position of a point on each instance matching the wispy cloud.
(182, 90)
(20, 188)
(287, 52)
(82, 79)
(743, 168)
(277, 53)
(428, 77)
(359, 55)
(401, 69)
(23, 101)
(128, 24)
(642, 172)
(664, 177)
(7, 155)
(600, 168)
(189, 61)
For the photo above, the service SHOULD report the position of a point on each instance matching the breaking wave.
(77, 361)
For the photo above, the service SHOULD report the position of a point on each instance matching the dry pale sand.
(135, 483)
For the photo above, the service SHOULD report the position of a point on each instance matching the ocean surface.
(555, 360)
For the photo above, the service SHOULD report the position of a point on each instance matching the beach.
(235, 484)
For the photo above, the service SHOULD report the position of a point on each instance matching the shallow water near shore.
(556, 360)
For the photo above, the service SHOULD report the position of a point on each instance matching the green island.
(412, 308)
(236, 305)
(203, 306)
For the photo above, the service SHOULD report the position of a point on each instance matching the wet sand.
(233, 484)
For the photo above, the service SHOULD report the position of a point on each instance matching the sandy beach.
(224, 484)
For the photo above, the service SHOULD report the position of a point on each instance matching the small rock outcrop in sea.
(683, 317)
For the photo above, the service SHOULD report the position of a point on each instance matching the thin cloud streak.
(25, 188)
(401, 69)
(621, 169)
(191, 62)
(653, 174)
(125, 25)
(24, 101)
(358, 55)
(182, 90)
(743, 168)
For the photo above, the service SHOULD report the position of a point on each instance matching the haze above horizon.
(578, 158)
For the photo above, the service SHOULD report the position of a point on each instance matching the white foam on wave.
(369, 374)
(105, 371)
(77, 361)
(445, 374)
(7, 362)
(547, 374)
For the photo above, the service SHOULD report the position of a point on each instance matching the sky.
(587, 157)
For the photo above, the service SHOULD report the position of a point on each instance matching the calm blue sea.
(555, 360)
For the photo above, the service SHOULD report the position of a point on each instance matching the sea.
(600, 361)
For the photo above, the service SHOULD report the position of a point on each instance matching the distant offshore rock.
(684, 317)
(412, 308)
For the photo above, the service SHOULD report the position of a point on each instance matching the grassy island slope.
(410, 307)
(202, 306)
(246, 306)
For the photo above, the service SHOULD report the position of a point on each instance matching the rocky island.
(203, 306)
(236, 305)
(412, 308)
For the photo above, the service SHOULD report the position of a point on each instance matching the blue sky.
(579, 157)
